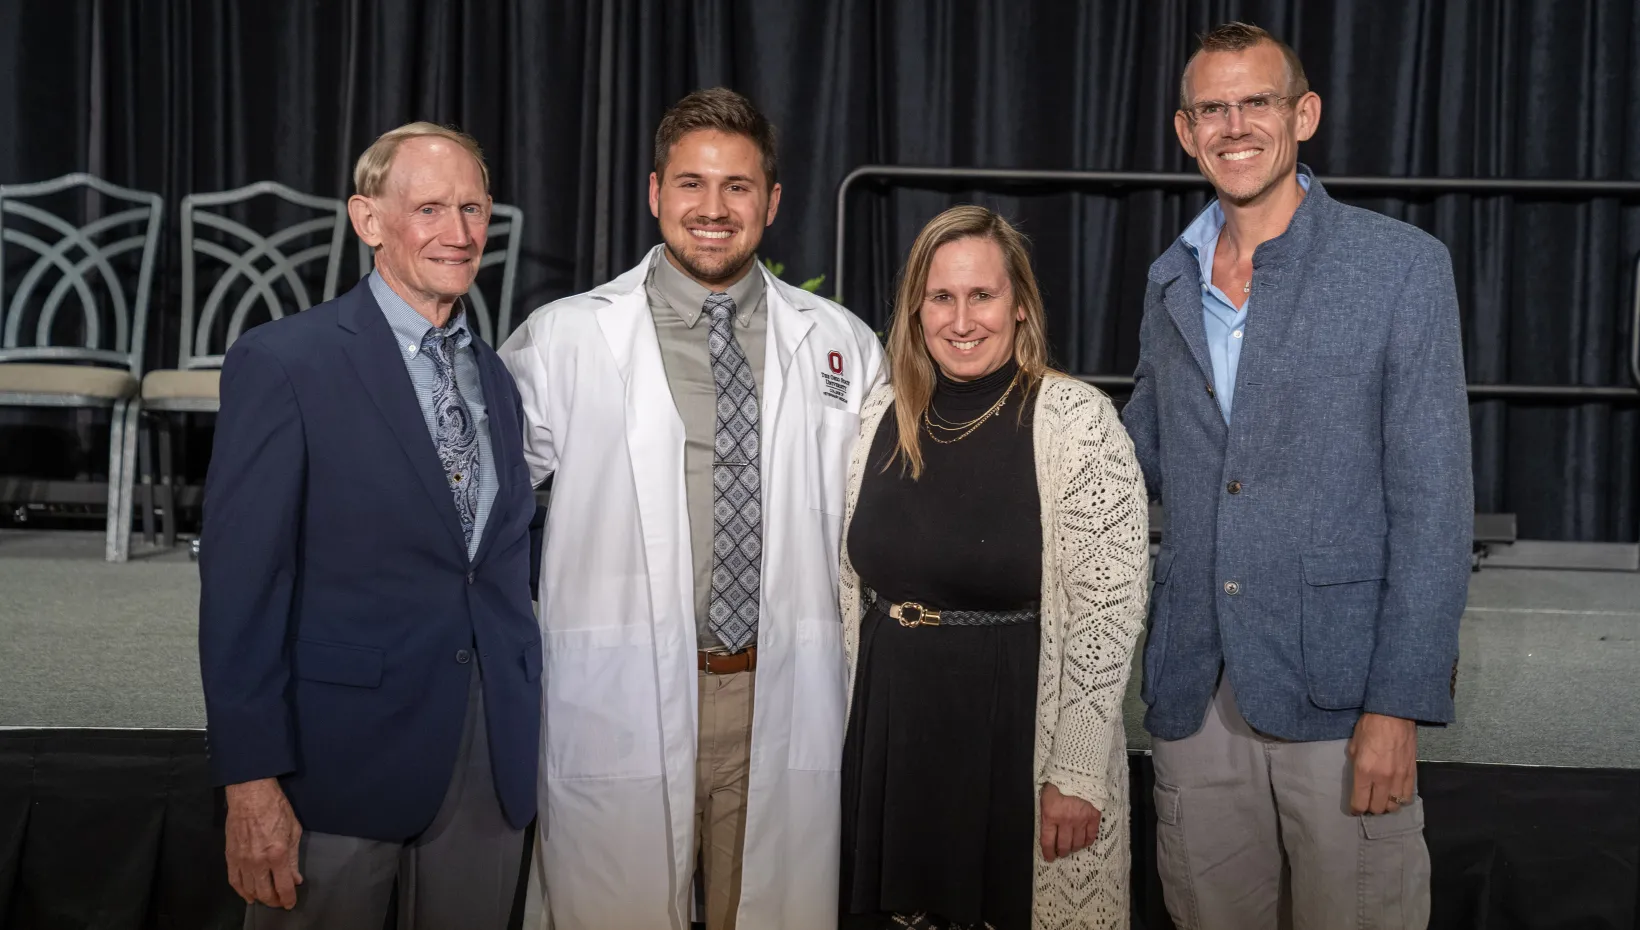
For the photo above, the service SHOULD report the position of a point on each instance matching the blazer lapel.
(1184, 305)
(1276, 323)
(506, 434)
(376, 360)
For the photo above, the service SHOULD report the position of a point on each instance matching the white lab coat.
(618, 619)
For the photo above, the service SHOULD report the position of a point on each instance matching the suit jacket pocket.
(337, 663)
(1343, 586)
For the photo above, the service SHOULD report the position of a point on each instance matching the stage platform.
(1533, 794)
(1548, 674)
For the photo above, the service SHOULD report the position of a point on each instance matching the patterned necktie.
(737, 487)
(455, 435)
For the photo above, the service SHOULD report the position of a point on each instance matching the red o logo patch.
(835, 359)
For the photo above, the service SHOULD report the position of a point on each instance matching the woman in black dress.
(994, 581)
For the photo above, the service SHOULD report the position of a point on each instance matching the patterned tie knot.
(720, 307)
(443, 341)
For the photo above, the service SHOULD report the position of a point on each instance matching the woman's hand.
(1068, 824)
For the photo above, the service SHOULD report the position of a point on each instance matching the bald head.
(372, 168)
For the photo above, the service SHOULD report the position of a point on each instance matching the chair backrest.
(76, 238)
(234, 275)
(495, 273)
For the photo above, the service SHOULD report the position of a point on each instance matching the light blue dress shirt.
(1225, 325)
(409, 328)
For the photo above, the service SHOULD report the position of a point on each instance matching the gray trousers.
(461, 873)
(1255, 833)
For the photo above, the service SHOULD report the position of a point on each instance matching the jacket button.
(463, 657)
(1235, 487)
(469, 577)
(1231, 588)
(1210, 389)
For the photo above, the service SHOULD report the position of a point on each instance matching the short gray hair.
(1238, 37)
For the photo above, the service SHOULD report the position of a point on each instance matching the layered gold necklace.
(967, 427)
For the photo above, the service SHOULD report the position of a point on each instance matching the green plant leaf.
(775, 268)
(812, 285)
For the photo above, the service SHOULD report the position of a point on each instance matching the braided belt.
(912, 614)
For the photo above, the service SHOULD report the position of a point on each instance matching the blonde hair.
(909, 361)
(370, 173)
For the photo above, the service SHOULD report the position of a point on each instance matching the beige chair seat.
(199, 384)
(77, 380)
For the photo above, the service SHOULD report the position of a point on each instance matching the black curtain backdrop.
(178, 97)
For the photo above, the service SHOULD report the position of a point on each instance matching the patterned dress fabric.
(737, 489)
(455, 436)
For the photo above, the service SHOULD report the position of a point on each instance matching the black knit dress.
(938, 789)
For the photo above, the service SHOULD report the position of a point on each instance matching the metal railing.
(1164, 180)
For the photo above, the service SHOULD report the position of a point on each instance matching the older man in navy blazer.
(1299, 409)
(369, 651)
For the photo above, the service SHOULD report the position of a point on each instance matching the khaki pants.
(722, 764)
(1255, 833)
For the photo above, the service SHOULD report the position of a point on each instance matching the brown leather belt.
(713, 663)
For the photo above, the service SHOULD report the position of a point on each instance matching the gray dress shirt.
(409, 327)
(676, 301)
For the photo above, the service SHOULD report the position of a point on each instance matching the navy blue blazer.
(1318, 546)
(338, 609)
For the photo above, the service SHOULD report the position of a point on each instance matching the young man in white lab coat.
(697, 416)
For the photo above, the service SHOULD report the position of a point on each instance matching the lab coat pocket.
(819, 681)
(835, 431)
(600, 684)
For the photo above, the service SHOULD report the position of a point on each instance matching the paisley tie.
(455, 435)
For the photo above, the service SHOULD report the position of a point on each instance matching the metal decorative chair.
(91, 358)
(506, 227)
(234, 277)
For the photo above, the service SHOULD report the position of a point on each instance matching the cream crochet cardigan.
(1095, 584)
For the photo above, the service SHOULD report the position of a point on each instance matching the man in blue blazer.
(369, 652)
(1299, 409)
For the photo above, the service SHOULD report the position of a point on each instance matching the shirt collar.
(686, 297)
(1202, 235)
(409, 327)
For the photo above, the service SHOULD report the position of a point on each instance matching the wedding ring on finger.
(1402, 801)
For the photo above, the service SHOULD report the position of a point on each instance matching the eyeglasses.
(1217, 111)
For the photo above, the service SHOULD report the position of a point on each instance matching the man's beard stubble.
(728, 268)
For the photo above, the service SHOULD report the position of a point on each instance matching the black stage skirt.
(939, 798)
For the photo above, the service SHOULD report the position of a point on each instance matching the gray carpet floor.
(1549, 672)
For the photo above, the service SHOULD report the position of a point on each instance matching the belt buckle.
(925, 616)
(715, 658)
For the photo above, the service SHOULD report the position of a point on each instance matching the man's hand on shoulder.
(1384, 751)
(264, 838)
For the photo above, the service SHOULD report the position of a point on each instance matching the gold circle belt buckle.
(912, 614)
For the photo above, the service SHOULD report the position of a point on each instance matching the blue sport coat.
(339, 611)
(1319, 545)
